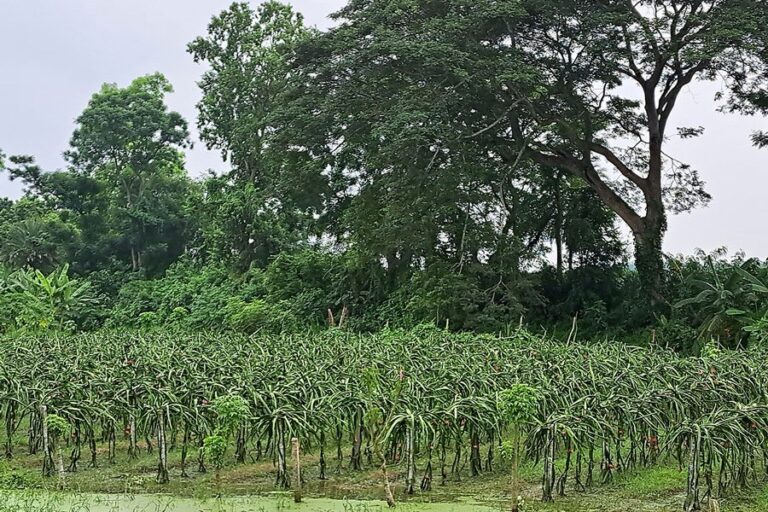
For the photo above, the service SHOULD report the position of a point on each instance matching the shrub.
(37, 302)
(260, 316)
(189, 295)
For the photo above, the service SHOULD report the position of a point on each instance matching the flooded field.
(51, 502)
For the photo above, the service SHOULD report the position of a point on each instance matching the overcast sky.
(54, 54)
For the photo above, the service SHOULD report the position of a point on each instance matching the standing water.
(45, 502)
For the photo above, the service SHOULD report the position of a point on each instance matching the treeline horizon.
(425, 162)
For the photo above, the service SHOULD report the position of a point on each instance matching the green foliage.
(149, 320)
(474, 299)
(189, 295)
(128, 141)
(215, 447)
(728, 299)
(52, 302)
(42, 242)
(414, 167)
(14, 478)
(678, 336)
(518, 404)
(58, 427)
(260, 316)
(447, 125)
(141, 132)
(711, 351)
(231, 412)
(240, 226)
(308, 283)
(408, 166)
(253, 212)
(249, 53)
(335, 383)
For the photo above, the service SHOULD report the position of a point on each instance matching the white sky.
(54, 54)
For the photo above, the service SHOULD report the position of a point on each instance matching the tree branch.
(619, 165)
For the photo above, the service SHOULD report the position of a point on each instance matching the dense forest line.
(460, 163)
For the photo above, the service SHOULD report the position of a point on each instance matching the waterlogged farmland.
(396, 417)
(19, 502)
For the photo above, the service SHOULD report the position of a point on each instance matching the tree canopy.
(458, 96)
(465, 163)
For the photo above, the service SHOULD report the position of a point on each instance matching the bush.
(677, 336)
(35, 302)
(14, 479)
(308, 283)
(149, 320)
(260, 316)
(189, 295)
(472, 300)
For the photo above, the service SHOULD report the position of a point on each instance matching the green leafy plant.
(231, 412)
(517, 407)
(50, 302)
(729, 301)
(260, 316)
(57, 428)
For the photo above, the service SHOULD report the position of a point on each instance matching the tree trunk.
(10, 429)
(242, 443)
(388, 494)
(296, 470)
(92, 446)
(649, 258)
(475, 459)
(410, 470)
(133, 452)
(515, 468)
(111, 455)
(356, 459)
(550, 453)
(162, 448)
(75, 455)
(577, 473)
(48, 468)
(134, 259)
(559, 226)
(184, 451)
(692, 501)
(563, 479)
(339, 450)
(322, 456)
(200, 453)
(35, 430)
(282, 480)
(60, 461)
(606, 475)
(456, 465)
(443, 456)
(426, 480)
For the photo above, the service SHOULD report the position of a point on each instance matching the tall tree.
(253, 211)
(249, 53)
(576, 86)
(128, 140)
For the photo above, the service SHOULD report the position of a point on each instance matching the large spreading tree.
(463, 94)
